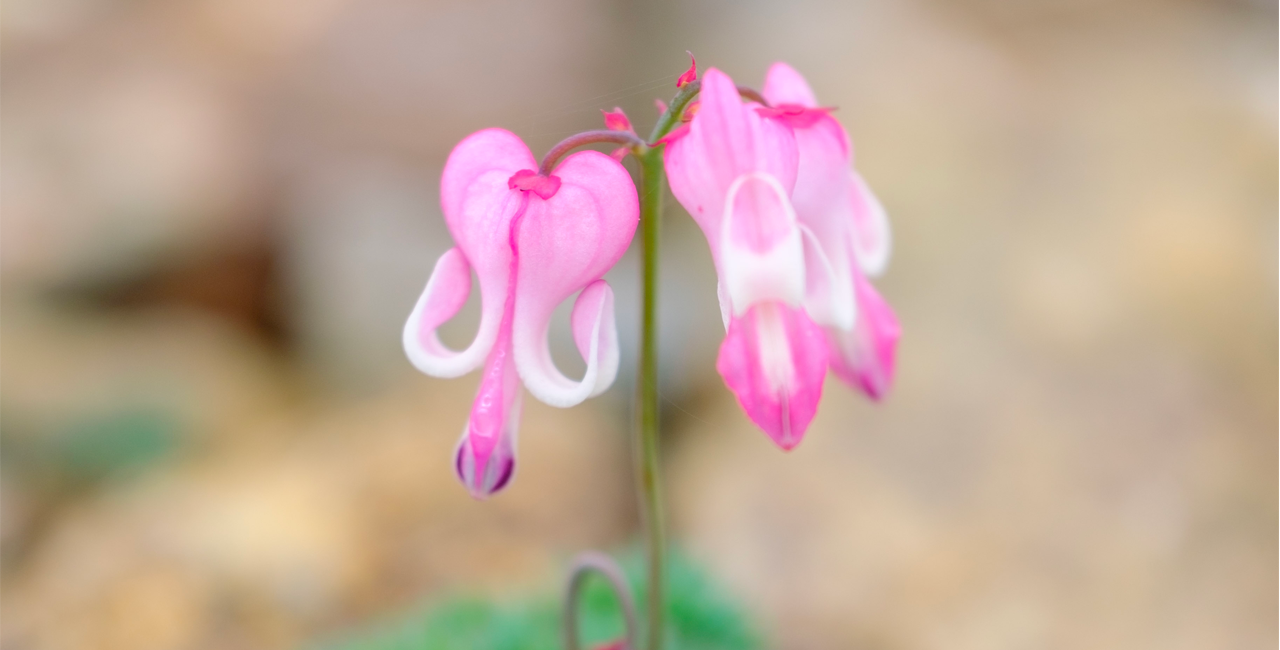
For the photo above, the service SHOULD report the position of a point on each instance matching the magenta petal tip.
(774, 359)
(690, 75)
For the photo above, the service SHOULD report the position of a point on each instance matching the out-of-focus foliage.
(701, 617)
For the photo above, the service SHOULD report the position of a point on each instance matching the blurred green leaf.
(700, 617)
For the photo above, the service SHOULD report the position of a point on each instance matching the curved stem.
(752, 94)
(586, 137)
(605, 566)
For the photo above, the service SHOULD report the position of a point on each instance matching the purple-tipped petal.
(774, 359)
(486, 454)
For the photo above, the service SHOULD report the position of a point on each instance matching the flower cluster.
(793, 230)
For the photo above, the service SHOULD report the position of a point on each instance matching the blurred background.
(216, 215)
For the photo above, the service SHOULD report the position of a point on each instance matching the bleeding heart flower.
(848, 234)
(532, 241)
(734, 171)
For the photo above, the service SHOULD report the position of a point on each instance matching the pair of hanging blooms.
(793, 230)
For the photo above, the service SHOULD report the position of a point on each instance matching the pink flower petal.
(761, 252)
(829, 197)
(872, 240)
(864, 357)
(774, 359)
(478, 208)
(783, 85)
(446, 291)
(828, 295)
(595, 332)
(795, 115)
(616, 120)
(564, 244)
(690, 75)
(725, 140)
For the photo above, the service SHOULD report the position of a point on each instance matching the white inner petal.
(775, 349)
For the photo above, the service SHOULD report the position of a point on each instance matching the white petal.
(761, 252)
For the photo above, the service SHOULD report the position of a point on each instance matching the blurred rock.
(355, 513)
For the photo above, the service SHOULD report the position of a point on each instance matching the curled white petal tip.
(595, 333)
(446, 292)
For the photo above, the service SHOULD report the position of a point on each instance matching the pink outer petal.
(725, 140)
(872, 240)
(485, 459)
(822, 203)
(783, 85)
(864, 357)
(774, 359)
(478, 207)
(566, 243)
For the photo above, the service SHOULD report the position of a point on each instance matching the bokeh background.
(217, 213)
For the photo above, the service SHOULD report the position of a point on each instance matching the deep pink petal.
(616, 120)
(864, 357)
(674, 134)
(485, 458)
(529, 180)
(774, 359)
(795, 115)
(690, 75)
(783, 85)
(725, 140)
(564, 244)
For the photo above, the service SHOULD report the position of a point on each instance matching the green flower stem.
(675, 110)
(648, 473)
(651, 179)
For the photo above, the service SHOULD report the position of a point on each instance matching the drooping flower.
(533, 241)
(849, 236)
(734, 171)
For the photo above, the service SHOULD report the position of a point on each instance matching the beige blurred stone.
(355, 511)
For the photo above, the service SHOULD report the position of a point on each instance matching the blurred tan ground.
(215, 216)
